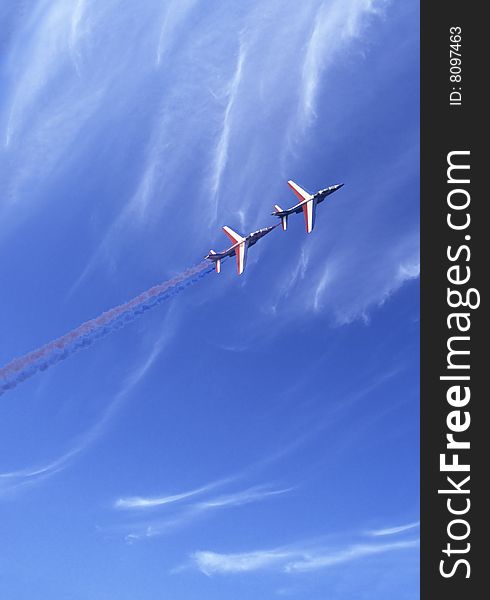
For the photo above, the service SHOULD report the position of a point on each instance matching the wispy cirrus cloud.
(142, 502)
(253, 494)
(190, 512)
(270, 58)
(48, 47)
(290, 70)
(211, 563)
(223, 142)
(173, 18)
(323, 560)
(12, 481)
(359, 264)
(393, 530)
(299, 559)
(336, 25)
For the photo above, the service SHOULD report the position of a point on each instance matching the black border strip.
(446, 128)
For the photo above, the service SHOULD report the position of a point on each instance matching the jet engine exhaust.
(26, 366)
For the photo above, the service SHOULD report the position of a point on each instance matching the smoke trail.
(26, 366)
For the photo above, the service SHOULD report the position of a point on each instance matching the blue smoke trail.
(86, 334)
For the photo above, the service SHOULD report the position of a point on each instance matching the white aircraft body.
(307, 205)
(239, 248)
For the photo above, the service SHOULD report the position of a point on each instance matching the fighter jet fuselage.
(239, 248)
(307, 204)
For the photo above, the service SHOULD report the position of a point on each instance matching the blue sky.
(254, 437)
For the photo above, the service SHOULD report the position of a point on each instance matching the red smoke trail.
(24, 367)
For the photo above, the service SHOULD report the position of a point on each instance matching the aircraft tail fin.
(217, 261)
(284, 218)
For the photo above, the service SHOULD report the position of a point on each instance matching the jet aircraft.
(307, 204)
(239, 248)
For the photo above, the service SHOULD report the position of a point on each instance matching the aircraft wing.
(234, 237)
(241, 257)
(240, 245)
(309, 212)
(301, 194)
(307, 204)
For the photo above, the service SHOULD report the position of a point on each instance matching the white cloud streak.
(351, 279)
(175, 15)
(289, 560)
(13, 480)
(211, 563)
(325, 560)
(40, 126)
(336, 25)
(253, 494)
(190, 512)
(223, 143)
(139, 502)
(288, 70)
(393, 530)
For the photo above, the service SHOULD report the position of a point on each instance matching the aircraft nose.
(338, 186)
